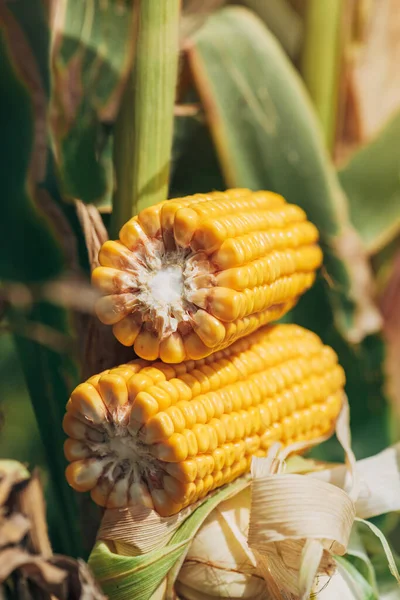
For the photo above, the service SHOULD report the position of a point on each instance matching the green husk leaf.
(358, 585)
(93, 52)
(126, 577)
(371, 182)
(266, 136)
(389, 589)
(357, 555)
(385, 546)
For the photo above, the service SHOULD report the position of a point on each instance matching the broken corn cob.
(164, 436)
(192, 275)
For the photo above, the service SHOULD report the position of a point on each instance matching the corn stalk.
(321, 61)
(143, 137)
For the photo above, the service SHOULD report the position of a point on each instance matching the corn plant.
(113, 106)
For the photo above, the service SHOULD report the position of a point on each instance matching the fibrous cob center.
(124, 447)
(165, 281)
(125, 456)
(167, 285)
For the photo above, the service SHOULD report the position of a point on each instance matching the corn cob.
(164, 436)
(190, 276)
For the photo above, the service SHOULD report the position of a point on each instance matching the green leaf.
(19, 435)
(390, 556)
(29, 250)
(358, 585)
(371, 182)
(266, 136)
(93, 54)
(284, 22)
(195, 167)
(37, 238)
(50, 375)
(357, 555)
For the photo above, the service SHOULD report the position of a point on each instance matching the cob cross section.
(164, 436)
(192, 275)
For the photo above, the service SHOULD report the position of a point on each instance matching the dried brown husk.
(25, 550)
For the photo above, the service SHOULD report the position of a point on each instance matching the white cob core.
(165, 281)
(123, 447)
(167, 285)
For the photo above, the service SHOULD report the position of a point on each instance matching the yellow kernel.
(188, 413)
(229, 425)
(163, 504)
(175, 449)
(113, 391)
(158, 428)
(82, 475)
(172, 348)
(202, 436)
(229, 454)
(127, 330)
(177, 418)
(144, 406)
(138, 383)
(201, 415)
(219, 429)
(147, 345)
(209, 329)
(219, 458)
(179, 492)
(191, 440)
(185, 471)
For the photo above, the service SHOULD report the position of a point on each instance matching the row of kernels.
(281, 290)
(214, 231)
(188, 219)
(201, 465)
(249, 324)
(268, 269)
(248, 247)
(242, 199)
(215, 202)
(229, 305)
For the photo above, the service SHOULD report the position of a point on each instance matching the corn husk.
(274, 534)
(216, 552)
